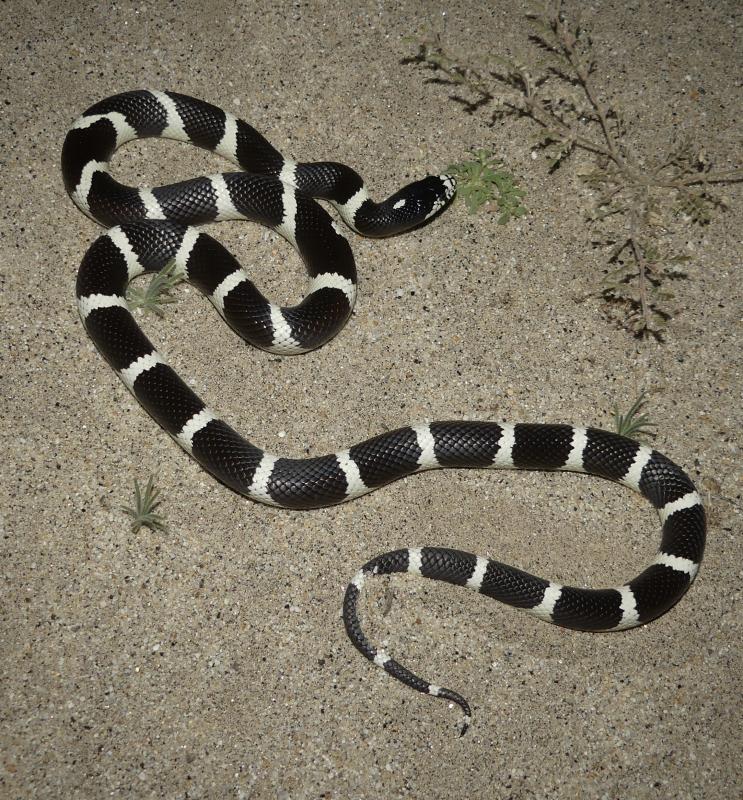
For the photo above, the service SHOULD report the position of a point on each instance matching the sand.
(210, 660)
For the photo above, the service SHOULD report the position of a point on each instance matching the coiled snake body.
(152, 229)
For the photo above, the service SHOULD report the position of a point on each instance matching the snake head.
(412, 205)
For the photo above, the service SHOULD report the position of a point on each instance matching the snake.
(150, 229)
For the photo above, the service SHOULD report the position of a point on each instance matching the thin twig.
(642, 268)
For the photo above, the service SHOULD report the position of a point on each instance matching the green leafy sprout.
(144, 514)
(481, 181)
(633, 424)
(157, 292)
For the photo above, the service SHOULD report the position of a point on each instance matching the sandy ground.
(210, 661)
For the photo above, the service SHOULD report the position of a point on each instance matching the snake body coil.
(152, 229)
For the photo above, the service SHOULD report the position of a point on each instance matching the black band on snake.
(152, 229)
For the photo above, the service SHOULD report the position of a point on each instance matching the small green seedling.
(633, 424)
(157, 292)
(144, 513)
(481, 180)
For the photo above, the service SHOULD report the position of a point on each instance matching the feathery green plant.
(638, 201)
(481, 181)
(157, 292)
(144, 514)
(633, 424)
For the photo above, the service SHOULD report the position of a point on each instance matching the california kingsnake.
(151, 230)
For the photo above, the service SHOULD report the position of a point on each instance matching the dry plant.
(636, 203)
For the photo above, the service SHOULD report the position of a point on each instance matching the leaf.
(144, 512)
(480, 181)
(157, 292)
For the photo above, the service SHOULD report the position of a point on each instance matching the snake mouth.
(450, 185)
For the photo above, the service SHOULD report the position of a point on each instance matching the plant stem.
(568, 41)
(548, 119)
(642, 267)
(713, 177)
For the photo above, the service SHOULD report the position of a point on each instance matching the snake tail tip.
(454, 697)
